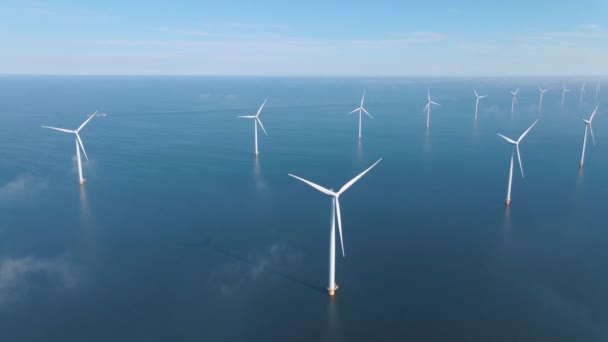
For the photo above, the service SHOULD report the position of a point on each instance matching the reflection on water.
(580, 190)
(260, 184)
(333, 332)
(506, 226)
(359, 151)
(87, 222)
(427, 141)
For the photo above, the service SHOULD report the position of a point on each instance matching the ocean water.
(180, 233)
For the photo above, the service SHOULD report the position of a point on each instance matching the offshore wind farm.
(174, 225)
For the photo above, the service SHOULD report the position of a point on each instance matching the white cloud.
(591, 27)
(189, 32)
(17, 275)
(22, 187)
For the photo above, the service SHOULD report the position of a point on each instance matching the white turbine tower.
(478, 97)
(540, 102)
(590, 128)
(597, 90)
(256, 121)
(514, 99)
(428, 107)
(564, 91)
(515, 149)
(582, 92)
(78, 142)
(361, 110)
(335, 214)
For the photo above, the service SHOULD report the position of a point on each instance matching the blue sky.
(308, 38)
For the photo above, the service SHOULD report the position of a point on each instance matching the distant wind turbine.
(590, 128)
(478, 97)
(540, 102)
(564, 91)
(597, 90)
(256, 121)
(428, 107)
(78, 142)
(335, 214)
(361, 110)
(582, 92)
(514, 99)
(515, 149)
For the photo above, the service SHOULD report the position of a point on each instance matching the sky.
(305, 38)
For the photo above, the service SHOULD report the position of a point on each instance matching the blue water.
(181, 234)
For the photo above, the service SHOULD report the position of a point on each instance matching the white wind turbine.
(78, 142)
(256, 121)
(361, 110)
(564, 91)
(582, 92)
(428, 107)
(335, 214)
(478, 97)
(542, 94)
(514, 99)
(597, 90)
(590, 128)
(515, 149)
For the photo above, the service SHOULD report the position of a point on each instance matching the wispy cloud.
(591, 27)
(189, 32)
(18, 275)
(23, 186)
(249, 26)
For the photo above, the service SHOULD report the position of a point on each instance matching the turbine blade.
(363, 98)
(86, 122)
(519, 158)
(591, 130)
(483, 96)
(340, 225)
(354, 111)
(262, 106)
(428, 94)
(318, 187)
(368, 114)
(594, 111)
(247, 116)
(81, 146)
(435, 103)
(526, 132)
(507, 139)
(59, 129)
(426, 107)
(352, 181)
(475, 91)
(260, 122)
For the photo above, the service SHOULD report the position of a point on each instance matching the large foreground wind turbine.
(564, 91)
(515, 149)
(582, 92)
(428, 107)
(478, 97)
(590, 128)
(335, 214)
(514, 99)
(79, 144)
(361, 110)
(256, 121)
(542, 94)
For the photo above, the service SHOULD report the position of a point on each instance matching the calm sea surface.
(180, 233)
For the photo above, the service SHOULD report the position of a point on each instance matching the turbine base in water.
(332, 292)
(580, 166)
(507, 203)
(81, 182)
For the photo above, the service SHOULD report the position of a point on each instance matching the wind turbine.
(256, 121)
(477, 101)
(335, 214)
(514, 99)
(540, 102)
(361, 110)
(564, 91)
(597, 90)
(582, 92)
(428, 107)
(78, 142)
(587, 126)
(515, 148)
